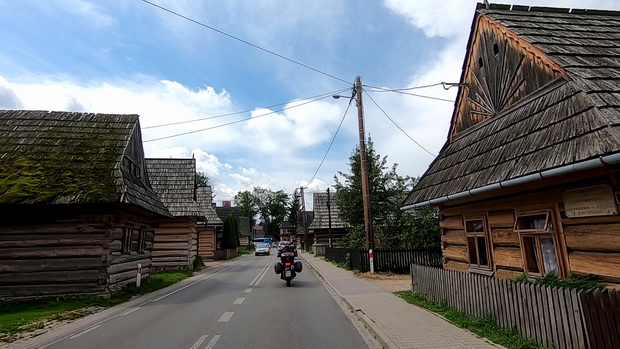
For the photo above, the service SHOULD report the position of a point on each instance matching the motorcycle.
(288, 267)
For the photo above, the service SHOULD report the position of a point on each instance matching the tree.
(230, 236)
(294, 207)
(202, 180)
(391, 226)
(269, 206)
(247, 204)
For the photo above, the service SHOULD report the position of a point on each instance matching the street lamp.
(370, 240)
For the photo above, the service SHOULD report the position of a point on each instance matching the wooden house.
(286, 231)
(174, 181)
(326, 224)
(528, 179)
(207, 229)
(77, 212)
(304, 238)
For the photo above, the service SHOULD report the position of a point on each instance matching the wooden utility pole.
(370, 241)
(329, 218)
(305, 223)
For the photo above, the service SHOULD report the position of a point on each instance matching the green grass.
(484, 327)
(24, 316)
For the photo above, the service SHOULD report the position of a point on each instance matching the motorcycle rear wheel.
(288, 282)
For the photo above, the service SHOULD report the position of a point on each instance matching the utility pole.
(370, 241)
(329, 218)
(305, 223)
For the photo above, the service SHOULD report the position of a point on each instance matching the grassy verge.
(25, 316)
(483, 327)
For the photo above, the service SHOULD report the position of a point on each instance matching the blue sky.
(128, 56)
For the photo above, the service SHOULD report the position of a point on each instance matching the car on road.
(262, 248)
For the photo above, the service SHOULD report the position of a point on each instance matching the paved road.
(242, 304)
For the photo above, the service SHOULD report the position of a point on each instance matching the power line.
(245, 42)
(332, 142)
(414, 141)
(402, 91)
(235, 122)
(242, 112)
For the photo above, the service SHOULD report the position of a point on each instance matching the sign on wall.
(596, 200)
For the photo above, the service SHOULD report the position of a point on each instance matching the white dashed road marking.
(213, 341)
(239, 301)
(199, 341)
(227, 315)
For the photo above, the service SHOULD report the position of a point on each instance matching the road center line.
(199, 341)
(213, 341)
(239, 301)
(227, 315)
(247, 290)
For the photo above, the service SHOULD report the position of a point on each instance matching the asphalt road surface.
(242, 304)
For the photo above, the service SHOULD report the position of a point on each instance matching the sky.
(245, 87)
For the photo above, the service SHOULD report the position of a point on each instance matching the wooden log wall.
(206, 245)
(174, 247)
(587, 245)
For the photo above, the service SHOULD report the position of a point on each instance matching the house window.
(537, 243)
(131, 167)
(141, 241)
(477, 243)
(126, 240)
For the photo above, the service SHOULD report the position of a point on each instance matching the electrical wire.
(400, 128)
(245, 41)
(244, 111)
(330, 144)
(402, 91)
(237, 121)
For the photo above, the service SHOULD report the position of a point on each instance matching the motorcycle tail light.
(287, 264)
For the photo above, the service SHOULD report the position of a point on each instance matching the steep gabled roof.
(174, 181)
(73, 158)
(541, 93)
(322, 212)
(205, 201)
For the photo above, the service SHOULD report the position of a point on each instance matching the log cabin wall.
(175, 244)
(62, 251)
(206, 247)
(131, 243)
(584, 245)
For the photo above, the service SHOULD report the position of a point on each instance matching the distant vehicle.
(274, 244)
(263, 240)
(262, 248)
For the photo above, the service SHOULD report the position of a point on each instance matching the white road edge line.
(199, 341)
(84, 332)
(131, 311)
(213, 341)
(188, 285)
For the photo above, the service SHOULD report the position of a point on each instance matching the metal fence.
(385, 260)
(554, 317)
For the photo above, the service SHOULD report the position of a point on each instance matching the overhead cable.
(245, 41)
(237, 121)
(242, 112)
(402, 91)
(332, 142)
(400, 128)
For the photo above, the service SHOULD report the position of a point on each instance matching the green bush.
(573, 281)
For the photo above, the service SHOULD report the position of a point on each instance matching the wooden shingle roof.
(174, 181)
(205, 201)
(322, 213)
(73, 158)
(541, 94)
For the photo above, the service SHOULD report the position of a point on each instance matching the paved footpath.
(394, 322)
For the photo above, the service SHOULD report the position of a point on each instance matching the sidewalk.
(395, 323)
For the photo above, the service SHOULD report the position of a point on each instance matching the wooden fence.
(554, 317)
(385, 260)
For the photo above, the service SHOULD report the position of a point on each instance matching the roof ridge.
(565, 10)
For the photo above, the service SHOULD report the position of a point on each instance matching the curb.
(369, 324)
